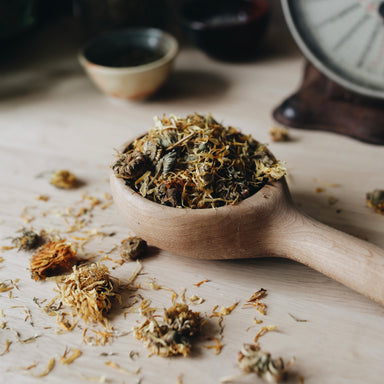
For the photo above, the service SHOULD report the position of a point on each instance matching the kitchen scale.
(343, 83)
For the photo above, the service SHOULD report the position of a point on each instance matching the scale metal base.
(321, 104)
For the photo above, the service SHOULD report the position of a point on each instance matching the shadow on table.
(19, 86)
(189, 84)
(327, 208)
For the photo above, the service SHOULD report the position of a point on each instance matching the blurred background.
(21, 21)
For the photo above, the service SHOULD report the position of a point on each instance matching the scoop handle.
(355, 263)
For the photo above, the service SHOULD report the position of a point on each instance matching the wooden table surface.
(52, 117)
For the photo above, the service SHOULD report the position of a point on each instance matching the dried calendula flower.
(252, 360)
(279, 134)
(130, 165)
(53, 259)
(28, 240)
(171, 335)
(196, 162)
(89, 290)
(375, 200)
(63, 179)
(132, 248)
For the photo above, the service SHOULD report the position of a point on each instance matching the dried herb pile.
(172, 334)
(195, 162)
(252, 359)
(28, 240)
(89, 290)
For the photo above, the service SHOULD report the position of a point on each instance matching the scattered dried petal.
(97, 379)
(26, 216)
(44, 198)
(76, 353)
(100, 337)
(224, 311)
(264, 330)
(28, 339)
(196, 299)
(254, 301)
(217, 347)
(375, 200)
(114, 365)
(296, 319)
(201, 282)
(260, 294)
(48, 369)
(106, 205)
(6, 247)
(33, 365)
(5, 286)
(6, 348)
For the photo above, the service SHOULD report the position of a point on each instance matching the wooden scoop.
(265, 224)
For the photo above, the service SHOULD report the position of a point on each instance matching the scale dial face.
(344, 39)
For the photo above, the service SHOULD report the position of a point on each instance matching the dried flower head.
(375, 200)
(28, 240)
(63, 179)
(279, 134)
(53, 259)
(195, 162)
(252, 360)
(89, 290)
(172, 335)
(130, 165)
(132, 248)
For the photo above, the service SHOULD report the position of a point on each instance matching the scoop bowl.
(265, 224)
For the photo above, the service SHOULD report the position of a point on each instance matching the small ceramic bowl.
(226, 29)
(129, 63)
